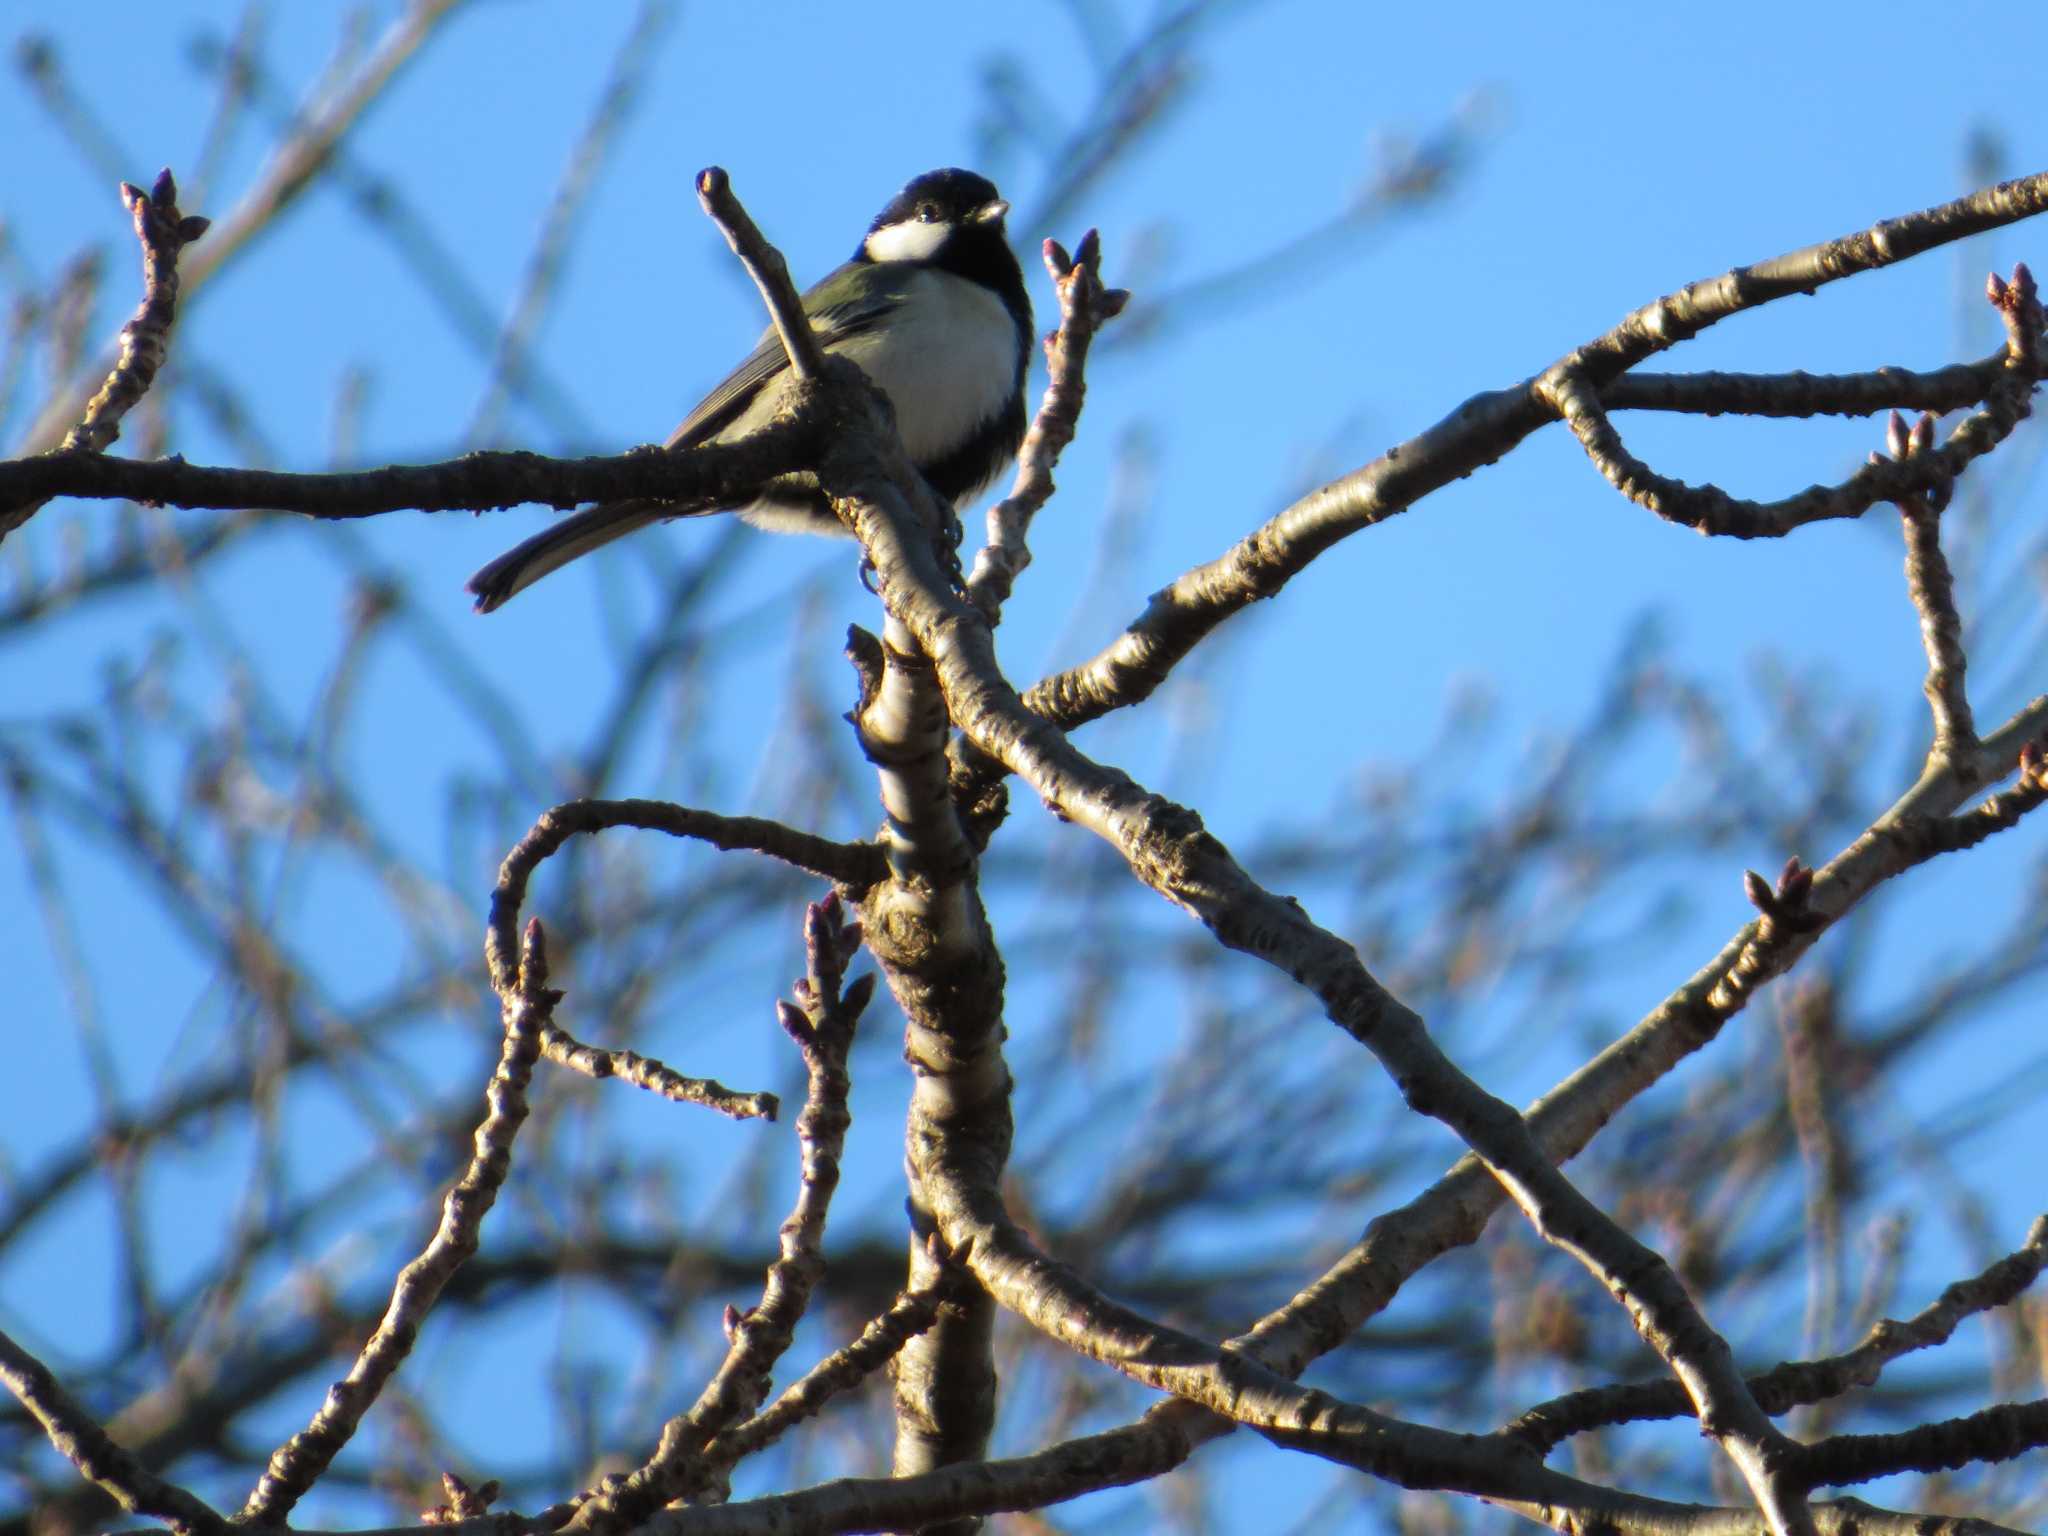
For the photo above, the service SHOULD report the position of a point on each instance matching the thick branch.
(1997, 1433)
(1168, 849)
(924, 923)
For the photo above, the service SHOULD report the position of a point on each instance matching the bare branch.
(1568, 386)
(512, 363)
(855, 865)
(844, 1369)
(1480, 431)
(717, 474)
(1932, 589)
(292, 167)
(1710, 510)
(1990, 1435)
(1795, 1383)
(769, 271)
(925, 922)
(1955, 388)
(163, 232)
(1085, 307)
(1166, 847)
(88, 1447)
(595, 1061)
(822, 1024)
(298, 1463)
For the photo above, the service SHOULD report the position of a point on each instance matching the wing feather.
(834, 323)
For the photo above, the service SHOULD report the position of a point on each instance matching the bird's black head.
(948, 218)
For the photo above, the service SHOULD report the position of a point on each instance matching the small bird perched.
(933, 308)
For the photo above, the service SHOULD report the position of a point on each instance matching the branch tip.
(793, 1021)
(533, 959)
(1795, 883)
(859, 993)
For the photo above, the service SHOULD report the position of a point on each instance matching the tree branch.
(1085, 307)
(769, 271)
(1488, 425)
(715, 475)
(1797, 1383)
(298, 1463)
(854, 865)
(163, 233)
(822, 1024)
(88, 1447)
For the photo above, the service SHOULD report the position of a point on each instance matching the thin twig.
(821, 1022)
(163, 232)
(852, 864)
(1570, 387)
(595, 1061)
(1808, 1026)
(1795, 1383)
(766, 267)
(1713, 393)
(387, 209)
(512, 363)
(1933, 592)
(1710, 510)
(1085, 307)
(292, 168)
(299, 1462)
(845, 1368)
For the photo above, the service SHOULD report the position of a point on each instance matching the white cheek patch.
(908, 240)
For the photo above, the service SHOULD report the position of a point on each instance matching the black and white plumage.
(932, 307)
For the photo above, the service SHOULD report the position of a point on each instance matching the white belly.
(946, 366)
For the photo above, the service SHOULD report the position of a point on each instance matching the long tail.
(570, 539)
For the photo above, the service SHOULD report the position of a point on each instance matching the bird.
(934, 310)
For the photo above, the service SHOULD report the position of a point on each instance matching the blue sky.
(1620, 151)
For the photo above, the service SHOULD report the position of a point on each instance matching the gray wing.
(578, 534)
(834, 323)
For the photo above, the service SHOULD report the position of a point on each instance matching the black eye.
(928, 213)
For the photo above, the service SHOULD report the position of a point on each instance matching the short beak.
(991, 212)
